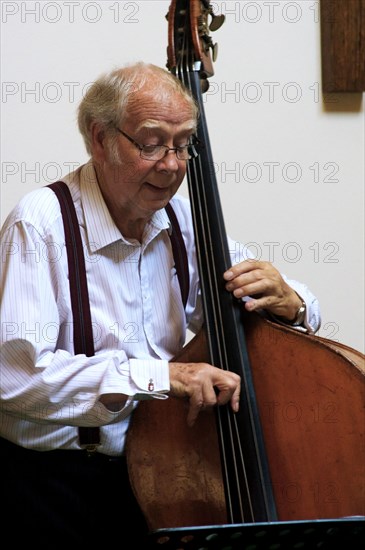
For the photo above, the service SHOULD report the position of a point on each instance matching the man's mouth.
(157, 187)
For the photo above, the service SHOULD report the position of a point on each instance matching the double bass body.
(311, 395)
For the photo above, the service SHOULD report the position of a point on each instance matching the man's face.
(137, 186)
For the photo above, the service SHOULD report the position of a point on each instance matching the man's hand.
(204, 386)
(265, 285)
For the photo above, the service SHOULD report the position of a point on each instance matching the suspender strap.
(179, 253)
(83, 335)
(82, 327)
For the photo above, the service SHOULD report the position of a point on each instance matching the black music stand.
(321, 534)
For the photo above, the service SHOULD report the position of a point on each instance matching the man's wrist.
(299, 317)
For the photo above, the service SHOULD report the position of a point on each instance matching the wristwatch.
(300, 316)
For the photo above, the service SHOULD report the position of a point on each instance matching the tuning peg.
(204, 85)
(216, 22)
(214, 52)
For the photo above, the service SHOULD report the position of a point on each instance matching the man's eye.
(150, 149)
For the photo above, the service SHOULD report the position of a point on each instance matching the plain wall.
(289, 162)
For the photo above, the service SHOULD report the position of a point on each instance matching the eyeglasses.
(158, 152)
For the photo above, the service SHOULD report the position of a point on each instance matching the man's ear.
(98, 142)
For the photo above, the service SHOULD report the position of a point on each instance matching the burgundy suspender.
(83, 335)
(82, 325)
(179, 253)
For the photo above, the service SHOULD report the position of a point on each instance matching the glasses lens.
(157, 152)
(152, 152)
(191, 151)
(183, 153)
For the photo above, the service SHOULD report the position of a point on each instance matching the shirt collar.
(100, 227)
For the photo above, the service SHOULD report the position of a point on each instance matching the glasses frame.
(165, 147)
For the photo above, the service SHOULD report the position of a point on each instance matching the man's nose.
(169, 161)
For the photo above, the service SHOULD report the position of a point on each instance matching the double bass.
(295, 450)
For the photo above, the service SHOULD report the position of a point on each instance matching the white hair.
(106, 100)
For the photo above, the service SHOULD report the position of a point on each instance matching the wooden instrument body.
(311, 396)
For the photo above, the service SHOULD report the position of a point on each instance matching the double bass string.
(212, 287)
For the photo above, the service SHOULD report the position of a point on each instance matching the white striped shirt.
(139, 322)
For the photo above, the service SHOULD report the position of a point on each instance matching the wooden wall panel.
(343, 45)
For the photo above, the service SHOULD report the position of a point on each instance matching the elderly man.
(138, 124)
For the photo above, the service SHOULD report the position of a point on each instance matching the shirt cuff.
(137, 378)
(150, 378)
